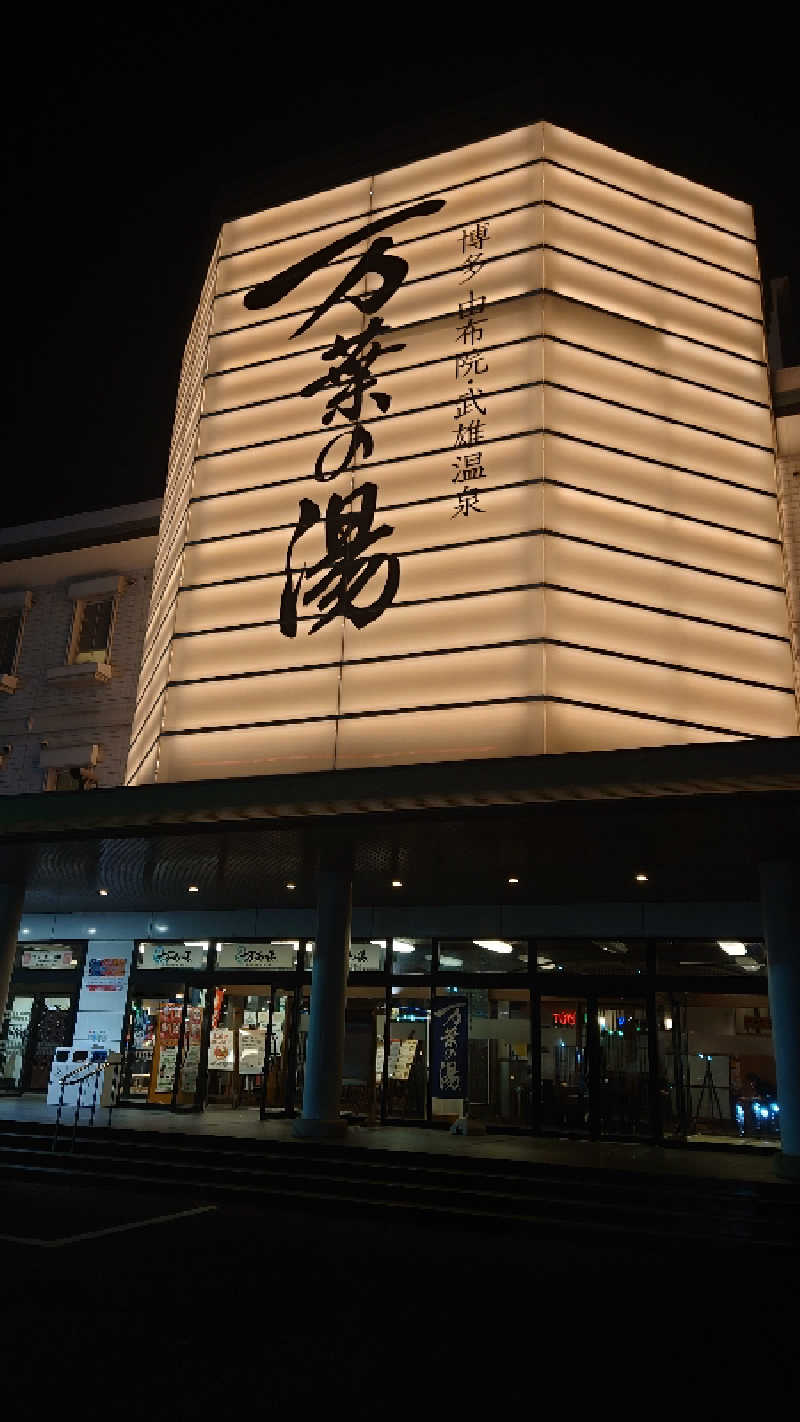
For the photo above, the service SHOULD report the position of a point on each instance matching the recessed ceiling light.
(641, 878)
(513, 881)
(732, 947)
(493, 945)
(193, 889)
(397, 883)
(103, 893)
(291, 886)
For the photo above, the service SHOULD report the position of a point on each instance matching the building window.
(72, 778)
(93, 629)
(10, 642)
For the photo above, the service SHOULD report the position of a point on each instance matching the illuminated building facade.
(469, 600)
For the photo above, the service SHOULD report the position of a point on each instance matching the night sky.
(126, 147)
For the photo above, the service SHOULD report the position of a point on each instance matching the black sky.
(127, 144)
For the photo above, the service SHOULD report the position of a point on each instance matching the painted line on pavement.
(112, 1229)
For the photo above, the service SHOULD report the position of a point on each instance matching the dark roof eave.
(753, 766)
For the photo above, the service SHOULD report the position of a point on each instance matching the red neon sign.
(563, 1019)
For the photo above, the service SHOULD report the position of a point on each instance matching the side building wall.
(41, 715)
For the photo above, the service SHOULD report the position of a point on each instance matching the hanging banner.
(449, 1050)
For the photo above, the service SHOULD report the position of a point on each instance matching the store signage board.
(177, 956)
(472, 458)
(256, 956)
(54, 959)
(104, 985)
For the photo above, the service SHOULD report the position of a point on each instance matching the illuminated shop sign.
(564, 1019)
(471, 458)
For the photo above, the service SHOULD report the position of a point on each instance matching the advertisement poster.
(365, 957)
(167, 1059)
(449, 1053)
(251, 1051)
(99, 1029)
(104, 984)
(221, 1049)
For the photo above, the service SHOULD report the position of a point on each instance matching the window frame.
(79, 612)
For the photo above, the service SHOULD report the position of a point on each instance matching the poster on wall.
(221, 1056)
(449, 1050)
(252, 1044)
(104, 984)
(99, 1029)
(167, 1061)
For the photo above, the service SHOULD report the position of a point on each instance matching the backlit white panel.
(471, 458)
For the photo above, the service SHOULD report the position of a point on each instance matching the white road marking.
(112, 1229)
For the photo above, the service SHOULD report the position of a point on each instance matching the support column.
(11, 899)
(325, 1048)
(780, 905)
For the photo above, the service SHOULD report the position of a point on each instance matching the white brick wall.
(66, 715)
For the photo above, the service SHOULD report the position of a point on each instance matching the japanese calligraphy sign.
(180, 956)
(256, 955)
(471, 458)
(449, 1050)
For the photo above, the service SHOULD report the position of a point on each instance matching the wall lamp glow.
(103, 893)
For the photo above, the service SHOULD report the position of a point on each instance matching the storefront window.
(483, 955)
(711, 958)
(624, 1073)
(153, 1040)
(731, 1068)
(14, 1040)
(565, 1065)
(411, 955)
(408, 1056)
(602, 957)
(362, 1072)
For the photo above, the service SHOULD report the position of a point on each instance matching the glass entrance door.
(35, 1025)
(623, 1068)
(565, 1095)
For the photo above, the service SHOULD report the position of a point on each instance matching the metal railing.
(79, 1076)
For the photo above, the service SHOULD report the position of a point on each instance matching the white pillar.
(780, 903)
(325, 1051)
